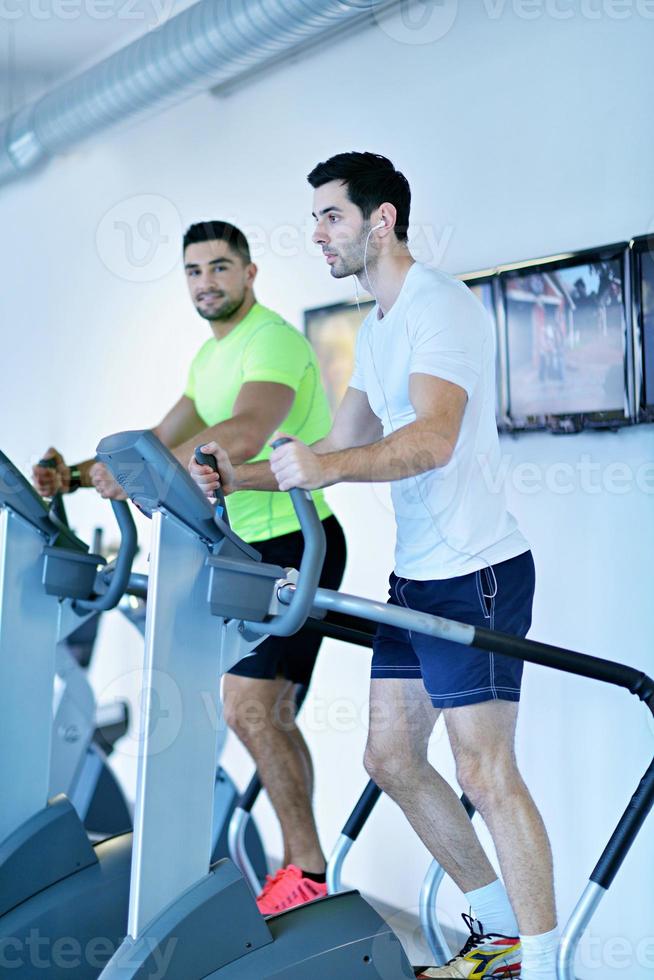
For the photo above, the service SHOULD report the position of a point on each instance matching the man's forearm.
(234, 435)
(259, 476)
(415, 448)
(255, 476)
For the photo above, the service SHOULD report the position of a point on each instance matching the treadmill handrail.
(532, 651)
(309, 572)
(120, 575)
(163, 483)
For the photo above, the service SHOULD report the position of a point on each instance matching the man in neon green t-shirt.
(255, 375)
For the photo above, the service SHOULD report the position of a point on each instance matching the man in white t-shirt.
(419, 412)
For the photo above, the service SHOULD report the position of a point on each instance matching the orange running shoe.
(287, 889)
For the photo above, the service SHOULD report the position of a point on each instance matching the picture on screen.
(332, 332)
(565, 338)
(646, 286)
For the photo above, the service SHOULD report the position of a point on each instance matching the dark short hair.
(371, 180)
(219, 231)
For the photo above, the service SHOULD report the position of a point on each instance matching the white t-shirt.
(451, 520)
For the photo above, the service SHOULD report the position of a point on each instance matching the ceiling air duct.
(210, 43)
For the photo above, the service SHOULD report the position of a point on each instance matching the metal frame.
(350, 833)
(179, 735)
(28, 636)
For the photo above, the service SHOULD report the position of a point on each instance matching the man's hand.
(207, 479)
(295, 464)
(105, 484)
(48, 481)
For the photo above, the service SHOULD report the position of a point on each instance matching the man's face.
(341, 230)
(217, 278)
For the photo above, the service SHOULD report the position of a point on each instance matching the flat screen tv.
(332, 332)
(642, 284)
(568, 346)
(485, 287)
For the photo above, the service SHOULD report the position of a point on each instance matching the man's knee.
(391, 764)
(246, 713)
(487, 777)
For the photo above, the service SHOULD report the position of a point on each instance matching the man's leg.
(258, 711)
(482, 739)
(402, 719)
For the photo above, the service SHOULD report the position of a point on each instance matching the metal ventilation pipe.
(212, 42)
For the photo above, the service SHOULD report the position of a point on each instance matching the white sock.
(492, 907)
(539, 956)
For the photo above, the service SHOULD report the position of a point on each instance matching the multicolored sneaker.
(287, 889)
(484, 955)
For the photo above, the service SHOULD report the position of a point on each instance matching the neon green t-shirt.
(262, 347)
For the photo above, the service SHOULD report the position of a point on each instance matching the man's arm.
(259, 409)
(355, 424)
(425, 444)
(179, 424)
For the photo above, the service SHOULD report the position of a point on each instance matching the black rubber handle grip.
(207, 459)
(359, 816)
(123, 567)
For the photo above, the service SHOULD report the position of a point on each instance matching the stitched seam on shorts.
(490, 616)
(406, 604)
(474, 690)
(438, 699)
(395, 587)
(401, 667)
(492, 654)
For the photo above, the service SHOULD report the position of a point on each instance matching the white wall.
(521, 137)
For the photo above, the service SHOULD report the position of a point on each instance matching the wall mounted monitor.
(568, 345)
(642, 284)
(485, 287)
(332, 332)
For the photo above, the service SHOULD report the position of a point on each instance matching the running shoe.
(484, 955)
(286, 889)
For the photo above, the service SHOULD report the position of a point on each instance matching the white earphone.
(382, 224)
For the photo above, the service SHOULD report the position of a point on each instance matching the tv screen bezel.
(638, 245)
(569, 422)
(490, 277)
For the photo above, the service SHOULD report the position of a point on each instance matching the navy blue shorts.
(294, 657)
(499, 598)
